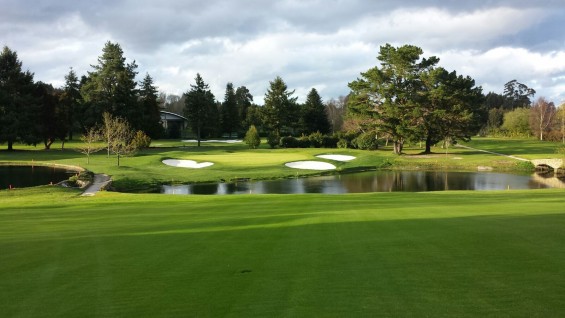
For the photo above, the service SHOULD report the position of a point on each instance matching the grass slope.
(448, 254)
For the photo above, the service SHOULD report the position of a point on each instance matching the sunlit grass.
(440, 254)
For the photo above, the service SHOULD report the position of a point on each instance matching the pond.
(375, 181)
(30, 176)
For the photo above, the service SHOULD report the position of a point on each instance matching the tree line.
(405, 98)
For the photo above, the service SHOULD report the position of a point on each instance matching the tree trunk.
(198, 135)
(428, 145)
(10, 145)
(398, 147)
(118, 159)
(48, 142)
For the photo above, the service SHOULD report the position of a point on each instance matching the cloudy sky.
(309, 43)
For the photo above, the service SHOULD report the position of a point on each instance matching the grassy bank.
(447, 254)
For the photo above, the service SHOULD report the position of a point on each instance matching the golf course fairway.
(434, 254)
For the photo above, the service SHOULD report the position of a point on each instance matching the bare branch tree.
(119, 136)
(91, 144)
(541, 116)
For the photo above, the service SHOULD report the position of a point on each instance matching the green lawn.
(529, 148)
(448, 254)
(435, 254)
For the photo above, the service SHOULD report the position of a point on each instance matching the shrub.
(141, 140)
(342, 143)
(80, 179)
(329, 141)
(289, 142)
(252, 138)
(366, 141)
(273, 139)
(316, 139)
(304, 142)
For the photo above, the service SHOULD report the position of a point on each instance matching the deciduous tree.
(542, 115)
(91, 142)
(119, 136)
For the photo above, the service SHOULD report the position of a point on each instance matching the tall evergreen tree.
(243, 100)
(280, 107)
(112, 88)
(150, 121)
(229, 114)
(315, 116)
(70, 101)
(199, 101)
(18, 106)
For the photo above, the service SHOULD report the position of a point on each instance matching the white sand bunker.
(186, 163)
(310, 165)
(337, 157)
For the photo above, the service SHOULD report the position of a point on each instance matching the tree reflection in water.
(375, 181)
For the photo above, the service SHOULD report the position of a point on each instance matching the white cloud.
(542, 71)
(439, 28)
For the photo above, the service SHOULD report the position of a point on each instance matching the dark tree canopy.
(53, 123)
(453, 108)
(18, 105)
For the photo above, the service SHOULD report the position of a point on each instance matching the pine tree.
(149, 106)
(315, 117)
(70, 101)
(229, 114)
(112, 88)
(280, 107)
(243, 100)
(199, 102)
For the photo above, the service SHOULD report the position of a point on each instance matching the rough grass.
(450, 254)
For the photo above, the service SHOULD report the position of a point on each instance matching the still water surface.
(30, 176)
(375, 181)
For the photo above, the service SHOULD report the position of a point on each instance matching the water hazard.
(30, 176)
(375, 181)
